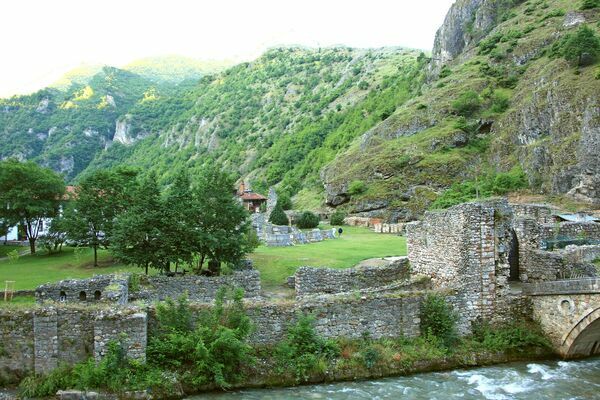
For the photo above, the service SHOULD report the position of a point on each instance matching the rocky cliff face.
(466, 23)
(548, 124)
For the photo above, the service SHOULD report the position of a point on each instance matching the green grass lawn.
(7, 248)
(274, 263)
(356, 244)
(29, 271)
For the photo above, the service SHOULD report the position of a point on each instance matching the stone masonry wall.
(16, 345)
(466, 248)
(127, 326)
(571, 230)
(570, 262)
(110, 288)
(198, 288)
(309, 280)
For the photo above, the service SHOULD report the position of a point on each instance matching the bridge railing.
(565, 286)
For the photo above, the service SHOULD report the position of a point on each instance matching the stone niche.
(105, 288)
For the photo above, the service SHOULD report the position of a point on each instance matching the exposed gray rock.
(123, 131)
(573, 18)
(43, 106)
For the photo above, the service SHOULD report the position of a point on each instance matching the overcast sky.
(43, 39)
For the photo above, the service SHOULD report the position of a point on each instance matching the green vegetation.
(7, 248)
(580, 48)
(467, 104)
(304, 351)
(357, 187)
(193, 354)
(589, 4)
(28, 195)
(30, 271)
(438, 319)
(356, 244)
(278, 216)
(485, 186)
(307, 220)
(337, 218)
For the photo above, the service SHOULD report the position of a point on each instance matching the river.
(534, 380)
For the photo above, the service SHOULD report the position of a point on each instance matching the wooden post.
(9, 288)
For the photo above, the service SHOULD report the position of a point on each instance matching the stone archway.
(583, 339)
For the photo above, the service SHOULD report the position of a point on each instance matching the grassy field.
(274, 263)
(356, 244)
(5, 249)
(29, 271)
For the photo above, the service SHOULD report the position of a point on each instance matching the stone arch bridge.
(569, 313)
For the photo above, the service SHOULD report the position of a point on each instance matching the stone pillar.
(130, 327)
(45, 340)
(271, 201)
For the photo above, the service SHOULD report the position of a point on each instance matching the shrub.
(589, 4)
(439, 320)
(337, 218)
(445, 72)
(278, 216)
(500, 102)
(467, 104)
(307, 220)
(580, 48)
(285, 201)
(302, 349)
(516, 336)
(357, 187)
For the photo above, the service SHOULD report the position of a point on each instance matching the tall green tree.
(98, 199)
(582, 46)
(179, 213)
(220, 222)
(138, 232)
(28, 195)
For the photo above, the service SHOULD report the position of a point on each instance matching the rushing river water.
(540, 380)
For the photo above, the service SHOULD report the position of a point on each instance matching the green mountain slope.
(498, 105)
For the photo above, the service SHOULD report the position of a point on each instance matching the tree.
(589, 4)
(285, 201)
(138, 232)
(308, 220)
(582, 47)
(28, 195)
(337, 218)
(56, 236)
(98, 199)
(179, 210)
(220, 222)
(278, 216)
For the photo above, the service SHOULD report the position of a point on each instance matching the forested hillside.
(507, 101)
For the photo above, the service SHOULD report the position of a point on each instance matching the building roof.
(248, 196)
(579, 217)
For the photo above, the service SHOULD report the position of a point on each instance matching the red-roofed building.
(251, 201)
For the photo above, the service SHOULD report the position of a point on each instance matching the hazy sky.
(43, 39)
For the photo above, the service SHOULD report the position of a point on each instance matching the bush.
(515, 337)
(579, 48)
(307, 220)
(278, 216)
(589, 4)
(337, 218)
(500, 102)
(467, 104)
(438, 319)
(484, 186)
(357, 187)
(285, 201)
(303, 350)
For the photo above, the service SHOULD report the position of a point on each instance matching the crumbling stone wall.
(570, 262)
(466, 248)
(107, 288)
(309, 280)
(16, 345)
(571, 230)
(127, 326)
(198, 288)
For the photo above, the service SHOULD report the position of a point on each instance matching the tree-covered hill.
(507, 101)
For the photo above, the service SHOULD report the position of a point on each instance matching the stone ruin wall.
(310, 281)
(100, 288)
(571, 230)
(39, 340)
(466, 248)
(198, 288)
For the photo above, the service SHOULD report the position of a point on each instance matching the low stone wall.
(571, 230)
(567, 286)
(39, 340)
(198, 288)
(309, 280)
(541, 213)
(570, 262)
(110, 288)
